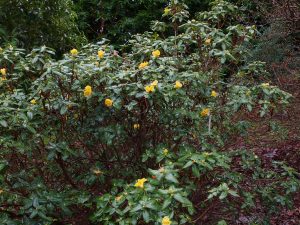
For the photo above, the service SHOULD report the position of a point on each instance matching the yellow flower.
(208, 41)
(143, 65)
(178, 84)
(206, 154)
(3, 72)
(136, 126)
(108, 102)
(101, 54)
(97, 172)
(166, 221)
(205, 112)
(167, 10)
(87, 91)
(156, 53)
(265, 85)
(149, 88)
(165, 151)
(33, 101)
(74, 52)
(214, 94)
(118, 198)
(1, 191)
(140, 183)
(154, 83)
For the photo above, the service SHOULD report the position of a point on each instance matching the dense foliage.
(117, 20)
(35, 23)
(103, 137)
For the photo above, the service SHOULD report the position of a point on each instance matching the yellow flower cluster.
(205, 112)
(101, 54)
(178, 84)
(214, 94)
(208, 41)
(151, 88)
(140, 183)
(3, 73)
(136, 126)
(166, 221)
(87, 91)
(143, 65)
(108, 102)
(156, 53)
(74, 52)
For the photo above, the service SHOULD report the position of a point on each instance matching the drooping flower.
(140, 183)
(214, 94)
(167, 10)
(101, 54)
(149, 88)
(208, 41)
(166, 221)
(74, 52)
(143, 65)
(178, 84)
(165, 151)
(33, 101)
(136, 126)
(156, 53)
(265, 85)
(154, 83)
(3, 71)
(118, 198)
(108, 102)
(97, 171)
(87, 91)
(205, 112)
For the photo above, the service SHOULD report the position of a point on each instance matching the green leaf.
(166, 203)
(170, 177)
(222, 222)
(63, 110)
(188, 164)
(182, 199)
(137, 208)
(146, 216)
(3, 123)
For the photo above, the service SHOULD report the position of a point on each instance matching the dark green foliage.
(36, 23)
(117, 20)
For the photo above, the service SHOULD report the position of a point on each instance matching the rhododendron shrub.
(137, 137)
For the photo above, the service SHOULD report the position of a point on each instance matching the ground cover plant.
(140, 137)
